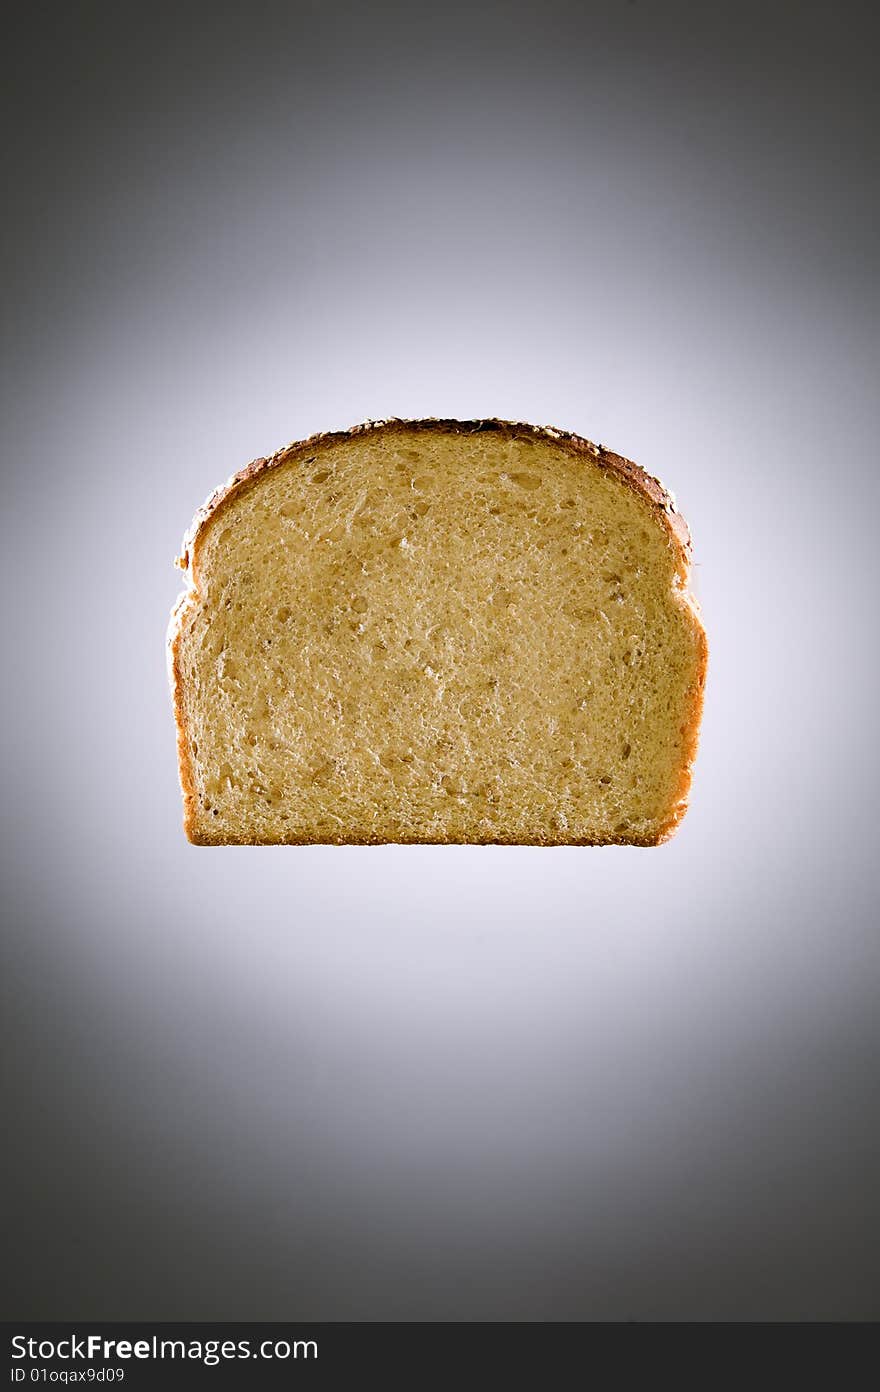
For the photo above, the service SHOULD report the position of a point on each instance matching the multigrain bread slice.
(437, 631)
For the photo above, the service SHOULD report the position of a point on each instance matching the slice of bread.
(437, 631)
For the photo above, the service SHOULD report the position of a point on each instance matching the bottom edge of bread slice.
(199, 839)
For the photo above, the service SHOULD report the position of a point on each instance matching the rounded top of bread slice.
(631, 473)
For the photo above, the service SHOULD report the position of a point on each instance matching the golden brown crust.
(184, 765)
(690, 732)
(630, 473)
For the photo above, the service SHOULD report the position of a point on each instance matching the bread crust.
(661, 499)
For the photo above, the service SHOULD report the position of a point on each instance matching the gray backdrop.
(441, 1083)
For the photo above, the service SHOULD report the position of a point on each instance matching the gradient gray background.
(442, 1083)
